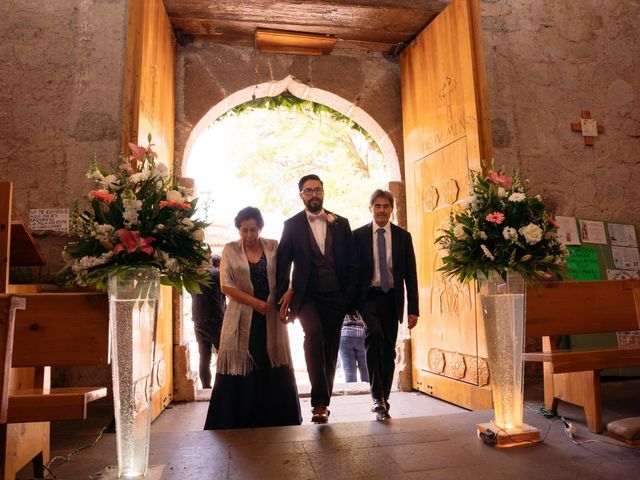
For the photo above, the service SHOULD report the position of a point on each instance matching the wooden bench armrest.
(43, 405)
(563, 361)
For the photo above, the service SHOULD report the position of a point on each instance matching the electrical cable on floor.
(67, 457)
(570, 430)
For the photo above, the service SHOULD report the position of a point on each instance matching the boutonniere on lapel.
(331, 219)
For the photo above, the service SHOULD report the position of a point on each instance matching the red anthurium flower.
(132, 242)
(500, 179)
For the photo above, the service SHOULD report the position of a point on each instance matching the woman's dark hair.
(306, 178)
(249, 213)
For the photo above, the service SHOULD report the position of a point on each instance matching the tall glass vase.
(133, 300)
(503, 311)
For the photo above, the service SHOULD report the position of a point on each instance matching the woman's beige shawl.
(233, 356)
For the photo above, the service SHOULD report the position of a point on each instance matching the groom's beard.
(314, 204)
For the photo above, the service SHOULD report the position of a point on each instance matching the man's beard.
(314, 205)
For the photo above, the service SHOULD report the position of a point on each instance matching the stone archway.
(305, 92)
(184, 386)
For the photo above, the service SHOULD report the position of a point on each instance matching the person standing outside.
(387, 268)
(352, 351)
(321, 289)
(207, 311)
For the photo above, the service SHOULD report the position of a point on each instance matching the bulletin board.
(600, 250)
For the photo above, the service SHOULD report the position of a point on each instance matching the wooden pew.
(44, 334)
(572, 308)
(54, 329)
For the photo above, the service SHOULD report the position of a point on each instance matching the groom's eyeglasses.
(311, 191)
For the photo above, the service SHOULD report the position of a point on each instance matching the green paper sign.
(582, 263)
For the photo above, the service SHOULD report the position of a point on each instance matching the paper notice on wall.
(582, 263)
(568, 230)
(623, 235)
(626, 258)
(592, 232)
(56, 219)
(622, 274)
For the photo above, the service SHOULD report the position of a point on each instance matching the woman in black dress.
(255, 385)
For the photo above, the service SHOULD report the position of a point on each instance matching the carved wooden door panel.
(148, 108)
(445, 123)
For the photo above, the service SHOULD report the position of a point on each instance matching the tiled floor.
(426, 438)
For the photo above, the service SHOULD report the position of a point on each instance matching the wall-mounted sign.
(56, 219)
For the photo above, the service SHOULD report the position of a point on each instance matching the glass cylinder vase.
(503, 311)
(133, 301)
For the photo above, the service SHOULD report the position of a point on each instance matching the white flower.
(482, 235)
(102, 232)
(509, 233)
(132, 207)
(517, 197)
(502, 192)
(95, 175)
(163, 171)
(187, 223)
(469, 202)
(538, 197)
(140, 176)
(109, 181)
(174, 196)
(531, 233)
(458, 232)
(487, 252)
(198, 235)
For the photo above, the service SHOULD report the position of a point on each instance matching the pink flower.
(552, 222)
(132, 242)
(496, 217)
(500, 179)
(167, 203)
(102, 195)
(138, 152)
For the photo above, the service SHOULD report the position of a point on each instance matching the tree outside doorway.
(255, 154)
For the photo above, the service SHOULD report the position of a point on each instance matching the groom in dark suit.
(321, 289)
(387, 267)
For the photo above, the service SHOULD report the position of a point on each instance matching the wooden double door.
(446, 134)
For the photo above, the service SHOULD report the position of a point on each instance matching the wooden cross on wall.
(588, 126)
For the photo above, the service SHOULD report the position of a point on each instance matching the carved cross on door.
(588, 126)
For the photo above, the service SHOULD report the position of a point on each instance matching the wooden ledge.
(564, 361)
(43, 405)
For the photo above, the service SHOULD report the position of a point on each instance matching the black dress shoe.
(383, 416)
(378, 406)
(320, 414)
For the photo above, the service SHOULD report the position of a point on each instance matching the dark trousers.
(379, 314)
(204, 350)
(321, 316)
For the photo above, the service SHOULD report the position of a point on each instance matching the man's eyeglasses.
(310, 191)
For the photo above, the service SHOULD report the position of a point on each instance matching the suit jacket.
(207, 309)
(403, 265)
(295, 247)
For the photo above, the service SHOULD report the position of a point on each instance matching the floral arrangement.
(499, 228)
(138, 216)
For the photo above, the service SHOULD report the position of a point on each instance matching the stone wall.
(547, 61)
(208, 73)
(60, 101)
